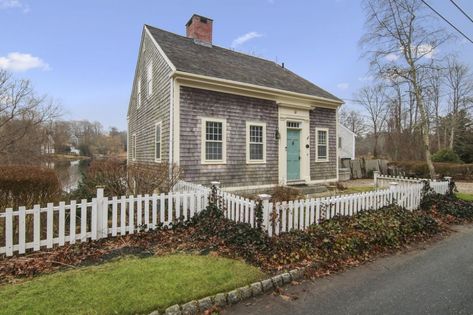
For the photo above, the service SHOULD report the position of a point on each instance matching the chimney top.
(200, 29)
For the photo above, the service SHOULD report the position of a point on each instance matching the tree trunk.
(424, 129)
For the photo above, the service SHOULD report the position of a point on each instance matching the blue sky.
(83, 53)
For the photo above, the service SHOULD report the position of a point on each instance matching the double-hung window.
(138, 96)
(321, 137)
(255, 142)
(133, 147)
(157, 142)
(149, 78)
(213, 141)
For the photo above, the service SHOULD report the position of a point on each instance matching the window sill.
(322, 161)
(213, 162)
(256, 162)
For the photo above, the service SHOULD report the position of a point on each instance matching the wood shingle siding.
(237, 110)
(323, 118)
(153, 109)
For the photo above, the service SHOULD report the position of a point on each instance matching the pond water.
(69, 172)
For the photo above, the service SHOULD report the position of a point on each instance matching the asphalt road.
(434, 280)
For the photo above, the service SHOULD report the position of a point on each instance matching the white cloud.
(244, 38)
(426, 51)
(391, 57)
(367, 78)
(19, 62)
(14, 4)
(343, 86)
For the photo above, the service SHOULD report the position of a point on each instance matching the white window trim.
(133, 149)
(317, 145)
(149, 79)
(138, 93)
(248, 160)
(156, 125)
(204, 121)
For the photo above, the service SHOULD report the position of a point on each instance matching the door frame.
(301, 116)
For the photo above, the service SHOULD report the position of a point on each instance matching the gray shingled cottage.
(222, 115)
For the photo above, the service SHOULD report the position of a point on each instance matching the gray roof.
(218, 62)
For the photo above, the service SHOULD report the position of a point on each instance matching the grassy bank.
(127, 286)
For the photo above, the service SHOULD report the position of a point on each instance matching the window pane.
(322, 152)
(213, 151)
(256, 134)
(158, 133)
(213, 131)
(256, 151)
(158, 150)
(322, 137)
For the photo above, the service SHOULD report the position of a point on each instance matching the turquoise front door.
(293, 154)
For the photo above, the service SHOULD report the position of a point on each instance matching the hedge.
(22, 185)
(420, 169)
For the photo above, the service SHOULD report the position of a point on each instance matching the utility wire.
(449, 23)
(459, 8)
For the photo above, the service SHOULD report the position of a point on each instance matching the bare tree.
(402, 39)
(354, 121)
(460, 84)
(21, 112)
(375, 102)
(434, 99)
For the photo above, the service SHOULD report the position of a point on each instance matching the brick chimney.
(200, 29)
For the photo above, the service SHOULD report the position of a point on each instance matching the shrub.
(449, 207)
(332, 241)
(420, 169)
(22, 185)
(446, 155)
(282, 193)
(117, 178)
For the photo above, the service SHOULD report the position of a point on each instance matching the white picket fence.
(80, 221)
(440, 187)
(299, 214)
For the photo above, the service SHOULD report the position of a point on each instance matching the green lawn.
(466, 197)
(127, 286)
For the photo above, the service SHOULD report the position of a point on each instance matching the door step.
(296, 183)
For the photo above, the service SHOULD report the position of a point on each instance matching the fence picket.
(146, 212)
(22, 230)
(36, 227)
(83, 220)
(114, 216)
(62, 222)
(9, 232)
(131, 214)
(72, 222)
(49, 226)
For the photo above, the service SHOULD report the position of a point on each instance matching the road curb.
(234, 296)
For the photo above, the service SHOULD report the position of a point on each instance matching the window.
(293, 124)
(340, 142)
(157, 142)
(256, 142)
(133, 147)
(138, 87)
(149, 79)
(321, 138)
(213, 141)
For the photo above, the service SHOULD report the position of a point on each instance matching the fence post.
(215, 183)
(375, 177)
(100, 213)
(448, 178)
(266, 211)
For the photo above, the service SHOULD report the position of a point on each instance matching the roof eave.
(270, 92)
